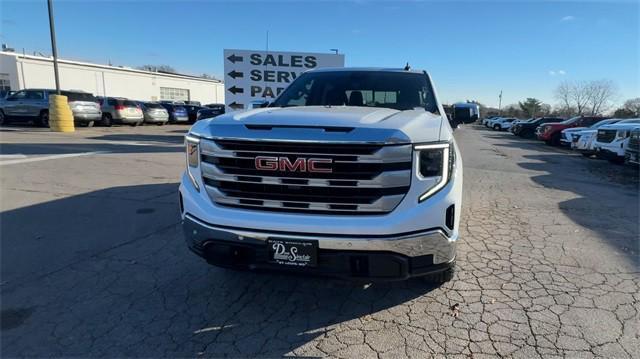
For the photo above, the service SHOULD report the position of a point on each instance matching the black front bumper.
(225, 249)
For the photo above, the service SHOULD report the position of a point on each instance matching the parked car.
(571, 135)
(177, 113)
(550, 133)
(192, 112)
(528, 129)
(215, 105)
(514, 124)
(503, 124)
(32, 105)
(632, 152)
(154, 113)
(611, 139)
(490, 122)
(84, 106)
(120, 110)
(209, 112)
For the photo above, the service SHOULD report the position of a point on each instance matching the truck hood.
(620, 126)
(324, 123)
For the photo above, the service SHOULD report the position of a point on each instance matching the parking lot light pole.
(54, 48)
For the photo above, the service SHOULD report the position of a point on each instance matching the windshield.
(396, 90)
(153, 105)
(79, 96)
(571, 120)
(633, 120)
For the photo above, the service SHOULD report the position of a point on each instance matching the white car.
(503, 124)
(611, 140)
(571, 135)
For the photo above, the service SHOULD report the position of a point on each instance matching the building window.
(173, 94)
(5, 87)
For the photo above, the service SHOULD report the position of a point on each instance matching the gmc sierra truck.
(350, 173)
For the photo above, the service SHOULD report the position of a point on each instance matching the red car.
(550, 132)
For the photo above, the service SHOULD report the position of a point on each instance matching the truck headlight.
(192, 146)
(435, 166)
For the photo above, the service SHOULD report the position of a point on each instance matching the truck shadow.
(110, 273)
(606, 200)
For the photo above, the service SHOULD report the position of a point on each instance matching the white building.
(18, 71)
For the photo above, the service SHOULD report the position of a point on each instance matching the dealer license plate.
(293, 252)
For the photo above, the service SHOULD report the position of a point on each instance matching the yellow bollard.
(60, 115)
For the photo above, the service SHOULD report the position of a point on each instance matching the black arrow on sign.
(235, 90)
(235, 74)
(236, 105)
(234, 58)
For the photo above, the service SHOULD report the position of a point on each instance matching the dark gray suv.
(33, 105)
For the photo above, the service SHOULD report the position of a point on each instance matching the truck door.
(34, 103)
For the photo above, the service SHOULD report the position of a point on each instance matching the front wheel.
(3, 119)
(43, 119)
(107, 120)
(441, 277)
(496, 128)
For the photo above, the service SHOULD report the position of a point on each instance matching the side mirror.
(452, 121)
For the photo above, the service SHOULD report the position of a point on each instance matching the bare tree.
(563, 94)
(599, 95)
(633, 105)
(592, 97)
(158, 68)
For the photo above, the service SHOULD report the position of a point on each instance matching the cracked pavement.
(94, 264)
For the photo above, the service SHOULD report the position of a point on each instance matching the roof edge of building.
(116, 68)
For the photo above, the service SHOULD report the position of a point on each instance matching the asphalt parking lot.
(94, 264)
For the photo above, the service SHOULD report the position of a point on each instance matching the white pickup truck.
(351, 173)
(611, 140)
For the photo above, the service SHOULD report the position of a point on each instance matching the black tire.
(441, 277)
(586, 154)
(496, 128)
(107, 121)
(3, 119)
(43, 119)
(135, 124)
(161, 123)
(555, 140)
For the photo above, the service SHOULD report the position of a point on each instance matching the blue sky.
(472, 49)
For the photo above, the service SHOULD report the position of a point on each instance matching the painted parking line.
(46, 158)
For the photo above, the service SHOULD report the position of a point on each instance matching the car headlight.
(434, 166)
(622, 133)
(192, 147)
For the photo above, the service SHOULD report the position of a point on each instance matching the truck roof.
(377, 69)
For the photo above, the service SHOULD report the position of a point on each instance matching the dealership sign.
(251, 77)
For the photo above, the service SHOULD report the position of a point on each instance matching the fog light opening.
(450, 217)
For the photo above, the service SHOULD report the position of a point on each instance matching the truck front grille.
(634, 141)
(364, 179)
(606, 136)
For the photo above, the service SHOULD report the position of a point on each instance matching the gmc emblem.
(284, 164)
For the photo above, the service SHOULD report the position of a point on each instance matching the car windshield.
(571, 120)
(153, 105)
(602, 123)
(129, 103)
(633, 120)
(79, 96)
(396, 90)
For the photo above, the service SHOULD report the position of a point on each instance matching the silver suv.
(120, 110)
(33, 105)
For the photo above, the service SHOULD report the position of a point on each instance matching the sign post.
(252, 77)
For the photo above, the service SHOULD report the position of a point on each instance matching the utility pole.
(500, 102)
(54, 48)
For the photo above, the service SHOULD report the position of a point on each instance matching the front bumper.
(394, 257)
(181, 118)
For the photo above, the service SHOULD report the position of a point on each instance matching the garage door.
(174, 94)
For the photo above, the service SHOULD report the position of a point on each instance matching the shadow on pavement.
(598, 185)
(174, 139)
(107, 273)
(65, 148)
